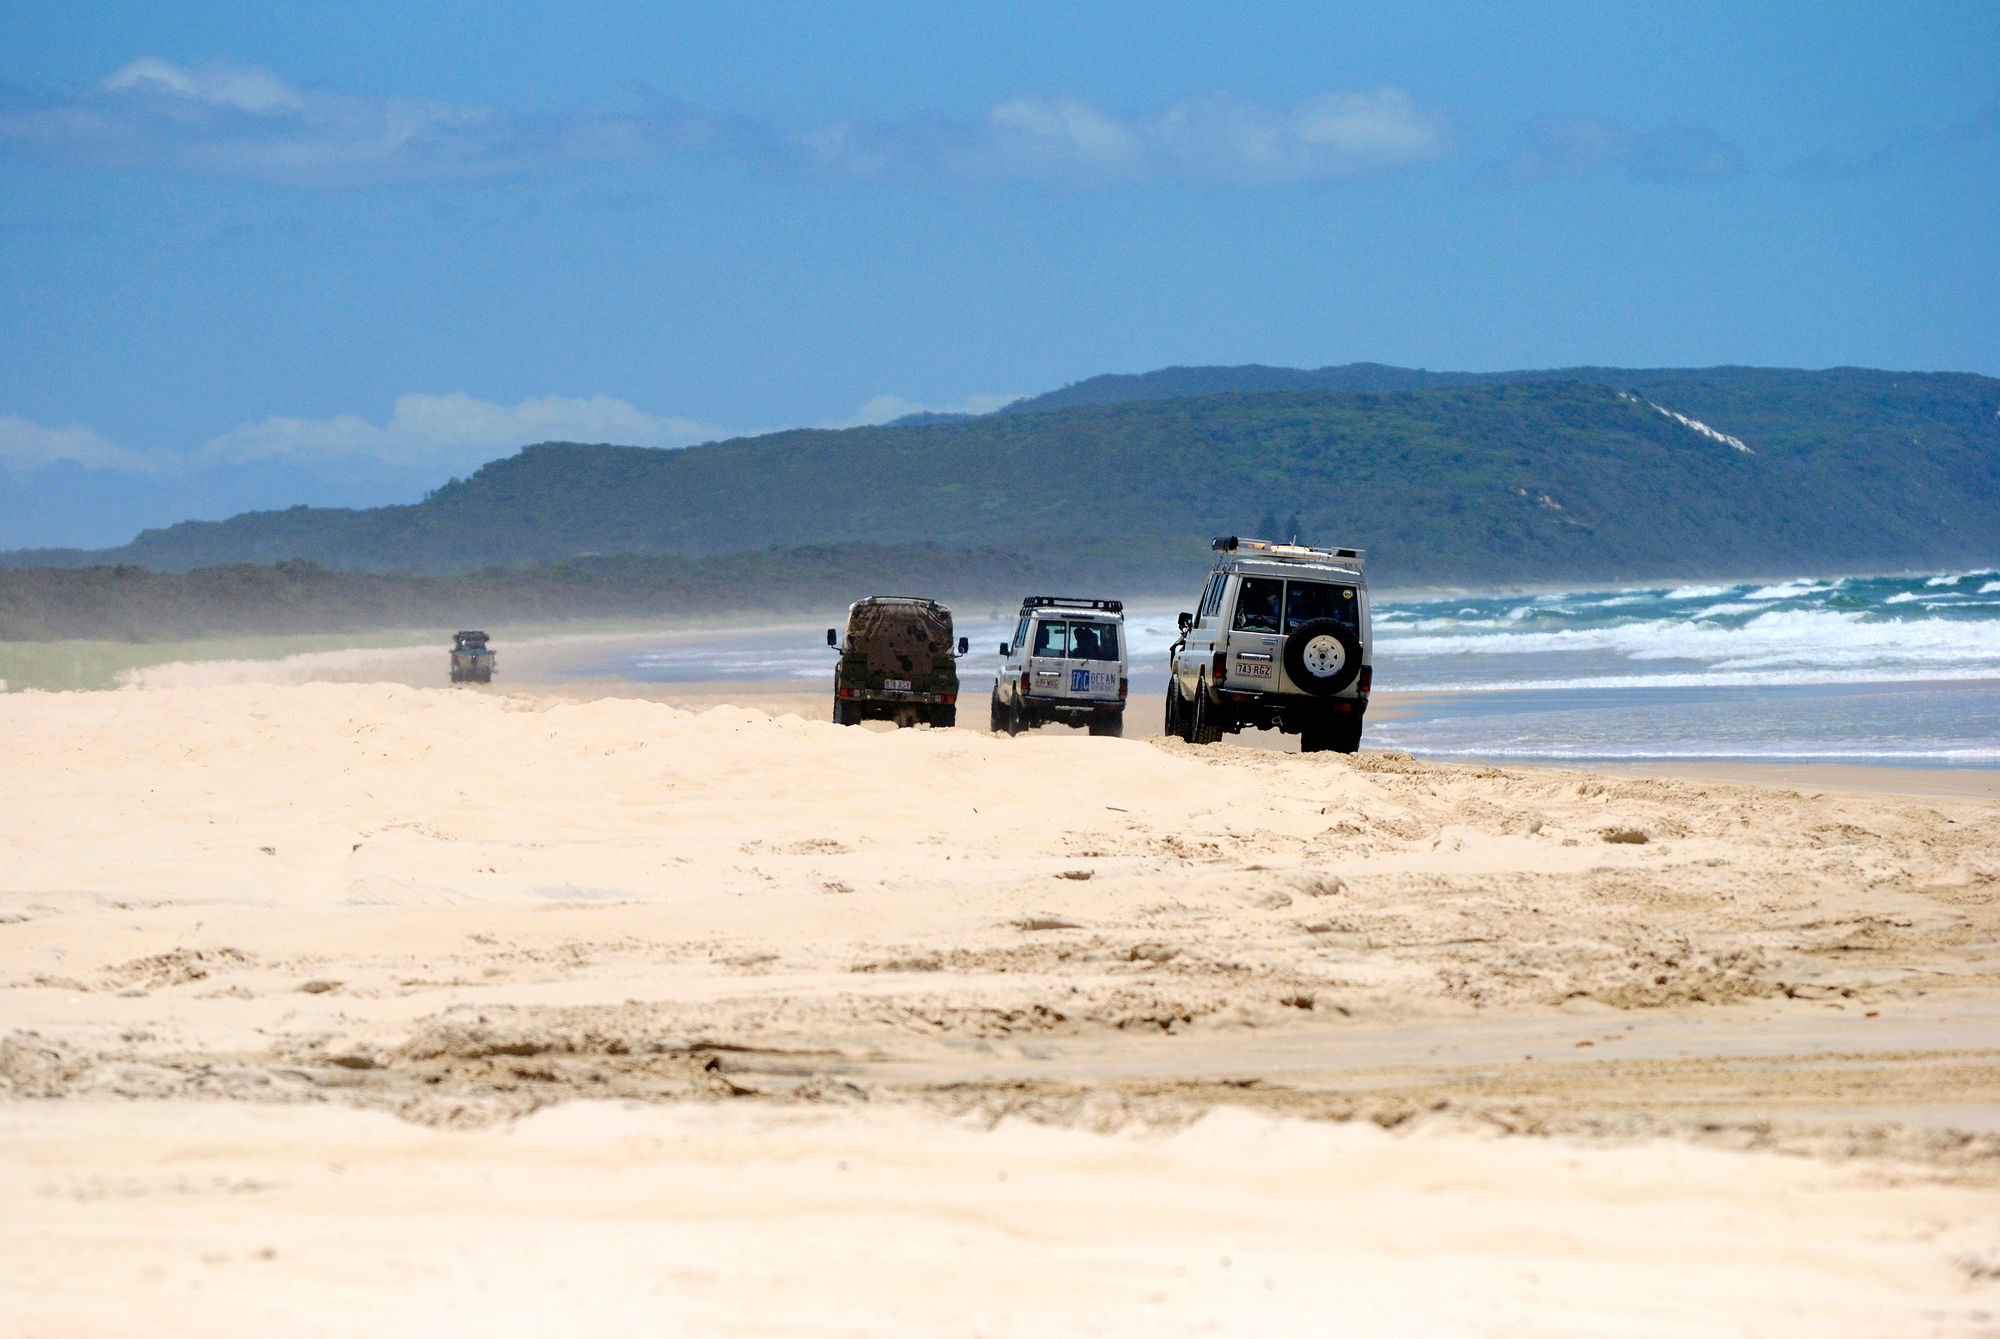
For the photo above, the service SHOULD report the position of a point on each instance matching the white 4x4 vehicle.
(1280, 641)
(1066, 663)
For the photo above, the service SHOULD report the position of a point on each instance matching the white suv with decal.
(1066, 663)
(1280, 641)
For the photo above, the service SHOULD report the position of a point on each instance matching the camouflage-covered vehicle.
(897, 663)
(472, 659)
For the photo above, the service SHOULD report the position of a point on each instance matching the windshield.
(1308, 600)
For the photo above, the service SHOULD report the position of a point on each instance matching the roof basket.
(1298, 553)
(1072, 602)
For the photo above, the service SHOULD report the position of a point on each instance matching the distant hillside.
(1609, 475)
(1172, 383)
(132, 604)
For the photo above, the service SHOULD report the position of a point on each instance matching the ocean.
(1901, 670)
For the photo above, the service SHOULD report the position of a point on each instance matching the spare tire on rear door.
(1322, 657)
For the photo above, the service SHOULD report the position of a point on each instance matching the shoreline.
(539, 666)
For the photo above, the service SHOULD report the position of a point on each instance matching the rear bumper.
(886, 696)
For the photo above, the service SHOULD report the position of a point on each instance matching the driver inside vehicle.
(1257, 604)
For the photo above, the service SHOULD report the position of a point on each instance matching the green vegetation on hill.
(1505, 478)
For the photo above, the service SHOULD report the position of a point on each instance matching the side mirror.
(1005, 650)
(964, 645)
(1187, 620)
(832, 637)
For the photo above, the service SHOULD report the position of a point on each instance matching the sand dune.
(616, 1017)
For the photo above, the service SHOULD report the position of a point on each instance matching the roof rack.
(1072, 602)
(1266, 548)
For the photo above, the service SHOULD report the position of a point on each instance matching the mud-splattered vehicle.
(1280, 641)
(897, 663)
(472, 660)
(1066, 663)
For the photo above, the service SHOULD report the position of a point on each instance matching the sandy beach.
(365, 1008)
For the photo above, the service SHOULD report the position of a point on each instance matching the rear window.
(1077, 641)
(1308, 600)
(1093, 641)
(1258, 601)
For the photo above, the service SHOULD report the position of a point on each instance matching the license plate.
(895, 685)
(1254, 669)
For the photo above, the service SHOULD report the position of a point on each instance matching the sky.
(258, 255)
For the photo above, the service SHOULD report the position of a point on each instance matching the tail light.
(948, 698)
(1219, 668)
(1121, 688)
(1367, 677)
(1024, 683)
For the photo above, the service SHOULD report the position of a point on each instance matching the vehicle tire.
(845, 713)
(944, 718)
(1175, 726)
(1017, 718)
(998, 719)
(1109, 723)
(1203, 725)
(1322, 657)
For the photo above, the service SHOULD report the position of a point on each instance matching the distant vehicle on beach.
(1279, 641)
(472, 659)
(1066, 663)
(897, 663)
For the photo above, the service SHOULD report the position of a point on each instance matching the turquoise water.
(1889, 670)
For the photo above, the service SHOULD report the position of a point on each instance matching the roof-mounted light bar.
(1072, 602)
(1265, 548)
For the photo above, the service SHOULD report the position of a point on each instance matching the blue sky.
(259, 254)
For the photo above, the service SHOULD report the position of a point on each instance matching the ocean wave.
(1697, 592)
(1791, 590)
(1801, 637)
(1385, 680)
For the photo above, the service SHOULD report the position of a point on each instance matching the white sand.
(364, 1009)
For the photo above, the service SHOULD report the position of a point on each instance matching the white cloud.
(258, 92)
(884, 408)
(1335, 135)
(27, 446)
(232, 120)
(1583, 146)
(455, 431)
(1213, 139)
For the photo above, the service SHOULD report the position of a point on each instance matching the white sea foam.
(1903, 597)
(1697, 592)
(1949, 579)
(1990, 588)
(1797, 637)
(1790, 590)
(1798, 678)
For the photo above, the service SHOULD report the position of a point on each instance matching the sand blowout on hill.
(832, 986)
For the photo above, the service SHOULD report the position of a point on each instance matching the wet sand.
(407, 1010)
